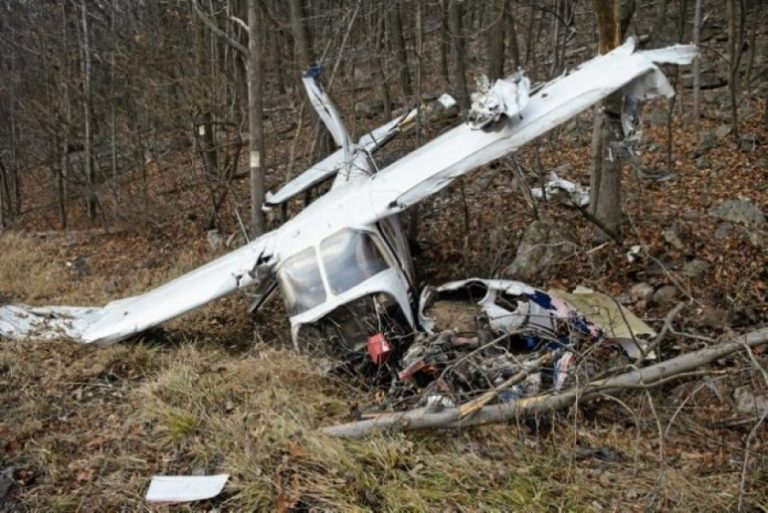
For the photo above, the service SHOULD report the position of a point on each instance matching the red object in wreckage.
(379, 348)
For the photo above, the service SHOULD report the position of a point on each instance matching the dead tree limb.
(640, 378)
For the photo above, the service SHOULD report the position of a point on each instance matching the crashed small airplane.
(343, 264)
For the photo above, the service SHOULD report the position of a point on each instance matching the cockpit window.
(302, 285)
(349, 258)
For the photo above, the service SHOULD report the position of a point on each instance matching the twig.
(667, 327)
(472, 406)
(752, 432)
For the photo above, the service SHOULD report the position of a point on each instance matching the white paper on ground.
(173, 489)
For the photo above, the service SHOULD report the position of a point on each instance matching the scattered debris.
(658, 373)
(485, 339)
(635, 253)
(615, 321)
(506, 97)
(564, 191)
(164, 490)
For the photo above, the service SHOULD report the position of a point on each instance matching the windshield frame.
(288, 285)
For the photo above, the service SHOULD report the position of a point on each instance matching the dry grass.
(89, 427)
(26, 269)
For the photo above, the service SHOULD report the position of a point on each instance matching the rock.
(723, 231)
(665, 295)
(739, 211)
(722, 131)
(542, 247)
(640, 292)
(658, 117)
(673, 237)
(707, 141)
(369, 109)
(702, 163)
(696, 268)
(748, 402)
(215, 239)
(713, 318)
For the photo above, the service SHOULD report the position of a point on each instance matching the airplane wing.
(333, 163)
(120, 319)
(466, 147)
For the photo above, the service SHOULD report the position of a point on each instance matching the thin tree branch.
(208, 22)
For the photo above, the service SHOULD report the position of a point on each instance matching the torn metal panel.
(509, 305)
(500, 318)
(617, 322)
(507, 97)
(565, 191)
(165, 490)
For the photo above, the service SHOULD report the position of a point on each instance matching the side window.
(302, 285)
(350, 257)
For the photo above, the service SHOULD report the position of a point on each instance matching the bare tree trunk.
(607, 157)
(397, 40)
(2, 195)
(12, 185)
(734, 55)
(64, 81)
(113, 110)
(90, 201)
(495, 40)
(697, 65)
(456, 21)
(301, 35)
(380, 71)
(255, 115)
(515, 45)
(445, 38)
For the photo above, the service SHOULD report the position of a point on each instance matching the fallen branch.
(641, 378)
(476, 404)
